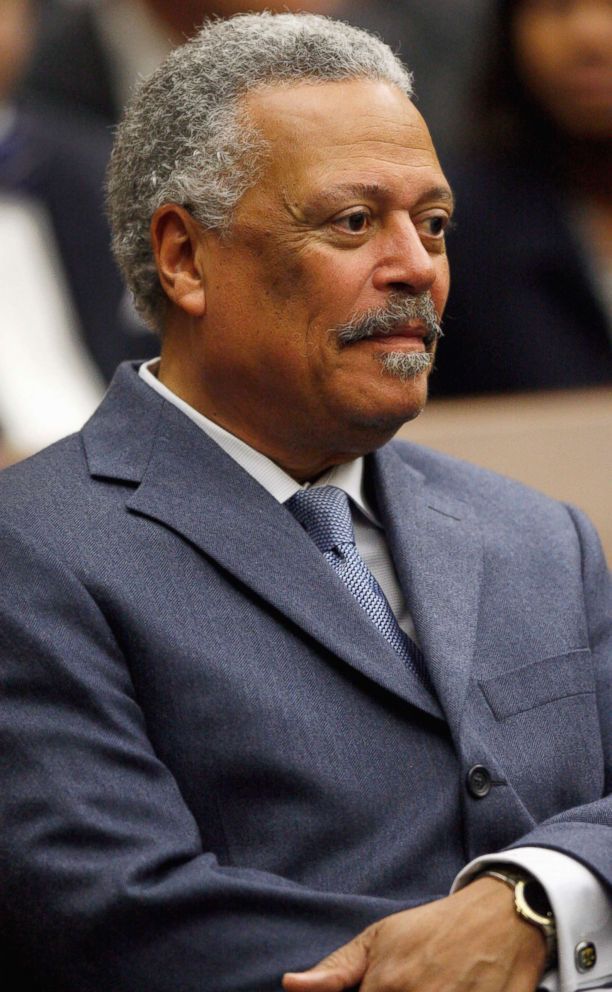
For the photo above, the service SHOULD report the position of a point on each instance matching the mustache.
(396, 312)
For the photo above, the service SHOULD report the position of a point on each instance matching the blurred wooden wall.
(559, 443)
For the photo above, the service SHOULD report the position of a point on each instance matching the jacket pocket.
(543, 728)
(541, 682)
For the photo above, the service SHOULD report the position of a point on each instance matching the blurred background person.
(91, 52)
(441, 41)
(531, 256)
(90, 55)
(65, 320)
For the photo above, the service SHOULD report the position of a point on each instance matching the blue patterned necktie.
(325, 514)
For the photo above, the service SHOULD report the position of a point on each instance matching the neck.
(298, 448)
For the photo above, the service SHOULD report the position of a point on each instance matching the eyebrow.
(378, 191)
(439, 193)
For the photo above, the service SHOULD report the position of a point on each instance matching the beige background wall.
(559, 443)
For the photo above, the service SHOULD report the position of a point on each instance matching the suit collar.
(348, 476)
(119, 437)
(187, 483)
(195, 488)
(436, 547)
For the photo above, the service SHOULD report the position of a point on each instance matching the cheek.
(286, 282)
(306, 292)
(279, 272)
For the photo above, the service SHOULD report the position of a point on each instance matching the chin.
(386, 418)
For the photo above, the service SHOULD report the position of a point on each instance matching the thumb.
(344, 968)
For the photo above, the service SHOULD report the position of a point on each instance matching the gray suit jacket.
(215, 769)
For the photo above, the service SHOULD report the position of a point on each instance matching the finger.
(312, 981)
(343, 969)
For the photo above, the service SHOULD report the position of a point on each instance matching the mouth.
(404, 323)
(413, 334)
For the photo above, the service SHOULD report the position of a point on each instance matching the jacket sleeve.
(585, 832)
(105, 882)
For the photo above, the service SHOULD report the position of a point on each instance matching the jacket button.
(478, 781)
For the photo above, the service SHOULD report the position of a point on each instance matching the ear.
(177, 246)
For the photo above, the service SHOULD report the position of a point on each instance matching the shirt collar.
(267, 473)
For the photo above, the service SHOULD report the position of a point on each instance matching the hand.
(472, 941)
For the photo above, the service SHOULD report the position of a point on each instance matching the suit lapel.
(189, 484)
(436, 548)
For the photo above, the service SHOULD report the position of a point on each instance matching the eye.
(435, 226)
(355, 222)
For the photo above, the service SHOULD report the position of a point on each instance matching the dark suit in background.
(70, 69)
(524, 311)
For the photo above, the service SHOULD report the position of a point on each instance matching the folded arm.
(473, 940)
(105, 880)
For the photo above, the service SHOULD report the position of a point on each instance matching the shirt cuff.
(582, 908)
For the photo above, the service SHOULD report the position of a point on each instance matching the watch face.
(536, 898)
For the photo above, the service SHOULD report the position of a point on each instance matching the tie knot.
(325, 515)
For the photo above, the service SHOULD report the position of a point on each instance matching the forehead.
(355, 133)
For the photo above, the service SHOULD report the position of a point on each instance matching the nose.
(403, 264)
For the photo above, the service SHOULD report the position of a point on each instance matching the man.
(231, 752)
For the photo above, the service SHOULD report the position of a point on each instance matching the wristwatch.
(530, 902)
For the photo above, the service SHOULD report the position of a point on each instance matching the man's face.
(349, 215)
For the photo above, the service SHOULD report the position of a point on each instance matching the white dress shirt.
(581, 904)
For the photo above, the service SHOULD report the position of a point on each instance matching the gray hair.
(185, 137)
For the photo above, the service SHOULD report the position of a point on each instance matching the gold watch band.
(520, 881)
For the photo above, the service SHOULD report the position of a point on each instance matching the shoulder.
(467, 480)
(488, 494)
(50, 499)
(517, 525)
